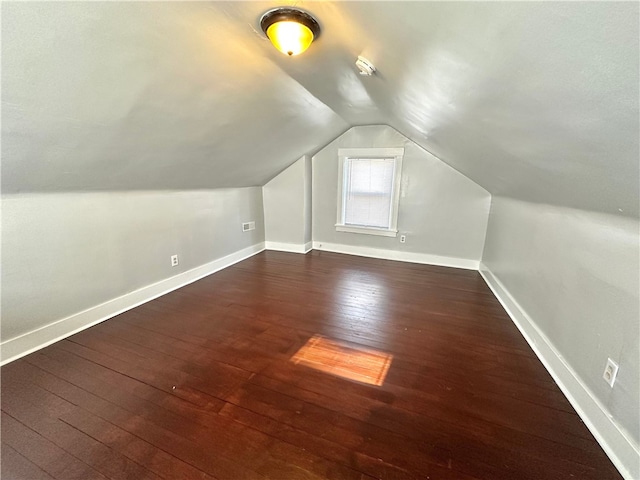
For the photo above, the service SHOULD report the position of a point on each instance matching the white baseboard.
(618, 446)
(398, 255)
(29, 342)
(289, 247)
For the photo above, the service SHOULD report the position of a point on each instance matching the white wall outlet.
(174, 260)
(610, 372)
(403, 238)
(248, 226)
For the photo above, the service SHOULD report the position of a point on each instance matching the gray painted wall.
(575, 274)
(286, 205)
(64, 253)
(441, 211)
(308, 199)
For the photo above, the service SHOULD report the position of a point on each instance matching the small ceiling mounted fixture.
(290, 30)
(365, 66)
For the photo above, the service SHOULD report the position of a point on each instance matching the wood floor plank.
(131, 446)
(188, 451)
(27, 407)
(44, 453)
(199, 384)
(264, 456)
(392, 404)
(452, 403)
(384, 424)
(15, 465)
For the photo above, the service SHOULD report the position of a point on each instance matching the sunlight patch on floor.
(346, 361)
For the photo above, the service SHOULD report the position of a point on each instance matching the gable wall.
(442, 213)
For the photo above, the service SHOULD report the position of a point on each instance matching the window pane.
(368, 188)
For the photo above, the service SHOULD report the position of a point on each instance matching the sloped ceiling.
(537, 101)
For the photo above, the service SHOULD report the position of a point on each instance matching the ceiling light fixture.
(290, 30)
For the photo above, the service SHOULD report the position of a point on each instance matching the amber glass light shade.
(290, 30)
(291, 38)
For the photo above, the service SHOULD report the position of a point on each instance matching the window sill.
(383, 232)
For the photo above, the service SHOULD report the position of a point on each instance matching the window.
(369, 190)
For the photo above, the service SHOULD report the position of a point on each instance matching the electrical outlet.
(248, 226)
(174, 260)
(610, 372)
(403, 238)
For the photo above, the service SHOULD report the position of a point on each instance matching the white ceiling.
(536, 100)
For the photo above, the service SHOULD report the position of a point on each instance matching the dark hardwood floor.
(198, 384)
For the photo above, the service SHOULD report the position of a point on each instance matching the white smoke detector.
(365, 66)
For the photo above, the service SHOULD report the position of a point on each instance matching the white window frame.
(396, 154)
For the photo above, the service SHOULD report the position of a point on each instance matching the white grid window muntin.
(368, 190)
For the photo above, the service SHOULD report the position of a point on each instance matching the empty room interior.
(320, 240)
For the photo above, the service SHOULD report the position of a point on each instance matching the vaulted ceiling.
(535, 100)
